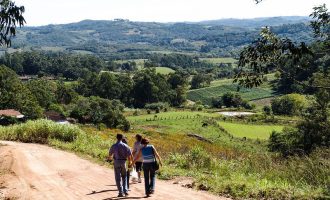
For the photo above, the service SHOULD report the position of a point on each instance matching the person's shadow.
(117, 198)
(102, 191)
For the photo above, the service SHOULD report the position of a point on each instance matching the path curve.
(32, 171)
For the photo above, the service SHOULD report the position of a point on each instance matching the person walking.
(149, 154)
(136, 149)
(129, 168)
(120, 152)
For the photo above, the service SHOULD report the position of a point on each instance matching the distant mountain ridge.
(122, 38)
(258, 22)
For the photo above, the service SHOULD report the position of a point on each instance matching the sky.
(43, 12)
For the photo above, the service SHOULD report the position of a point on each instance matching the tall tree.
(11, 16)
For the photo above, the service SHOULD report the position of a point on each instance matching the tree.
(200, 80)
(270, 52)
(97, 110)
(15, 95)
(65, 94)
(150, 87)
(108, 86)
(230, 99)
(44, 91)
(11, 16)
(291, 104)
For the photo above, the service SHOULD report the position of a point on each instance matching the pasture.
(249, 130)
(164, 70)
(220, 60)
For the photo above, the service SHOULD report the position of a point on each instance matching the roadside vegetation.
(222, 164)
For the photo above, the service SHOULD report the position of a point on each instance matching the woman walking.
(136, 150)
(149, 154)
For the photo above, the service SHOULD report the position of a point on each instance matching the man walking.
(120, 152)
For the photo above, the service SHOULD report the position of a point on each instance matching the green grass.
(220, 87)
(226, 166)
(220, 60)
(164, 70)
(171, 115)
(250, 131)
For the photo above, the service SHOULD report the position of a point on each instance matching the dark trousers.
(120, 176)
(149, 177)
(127, 178)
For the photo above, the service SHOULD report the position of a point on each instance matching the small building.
(11, 113)
(56, 117)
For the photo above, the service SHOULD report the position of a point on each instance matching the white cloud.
(41, 12)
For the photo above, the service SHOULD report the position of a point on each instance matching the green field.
(172, 115)
(220, 60)
(220, 87)
(207, 94)
(164, 70)
(250, 131)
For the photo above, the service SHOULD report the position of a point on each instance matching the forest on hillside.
(127, 39)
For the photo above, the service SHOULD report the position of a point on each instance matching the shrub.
(287, 143)
(157, 106)
(135, 113)
(291, 104)
(267, 110)
(196, 158)
(230, 99)
(40, 131)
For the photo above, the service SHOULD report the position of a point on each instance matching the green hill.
(122, 38)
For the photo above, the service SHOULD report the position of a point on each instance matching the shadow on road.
(117, 198)
(102, 191)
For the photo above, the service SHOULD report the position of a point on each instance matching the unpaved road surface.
(31, 171)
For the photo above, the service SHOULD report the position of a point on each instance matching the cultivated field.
(220, 87)
(249, 130)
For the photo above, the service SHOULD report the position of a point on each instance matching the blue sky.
(42, 12)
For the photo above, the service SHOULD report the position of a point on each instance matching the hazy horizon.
(39, 13)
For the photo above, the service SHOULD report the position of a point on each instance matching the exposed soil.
(32, 171)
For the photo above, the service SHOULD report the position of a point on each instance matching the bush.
(39, 131)
(196, 158)
(267, 110)
(230, 99)
(135, 113)
(291, 104)
(287, 143)
(157, 106)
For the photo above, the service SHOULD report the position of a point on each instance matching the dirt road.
(31, 171)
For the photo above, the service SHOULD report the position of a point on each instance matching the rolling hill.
(127, 39)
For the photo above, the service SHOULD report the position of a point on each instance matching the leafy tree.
(15, 95)
(150, 87)
(230, 99)
(291, 104)
(269, 52)
(11, 16)
(200, 80)
(43, 90)
(65, 94)
(108, 86)
(97, 110)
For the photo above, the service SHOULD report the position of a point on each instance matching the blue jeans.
(149, 177)
(120, 176)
